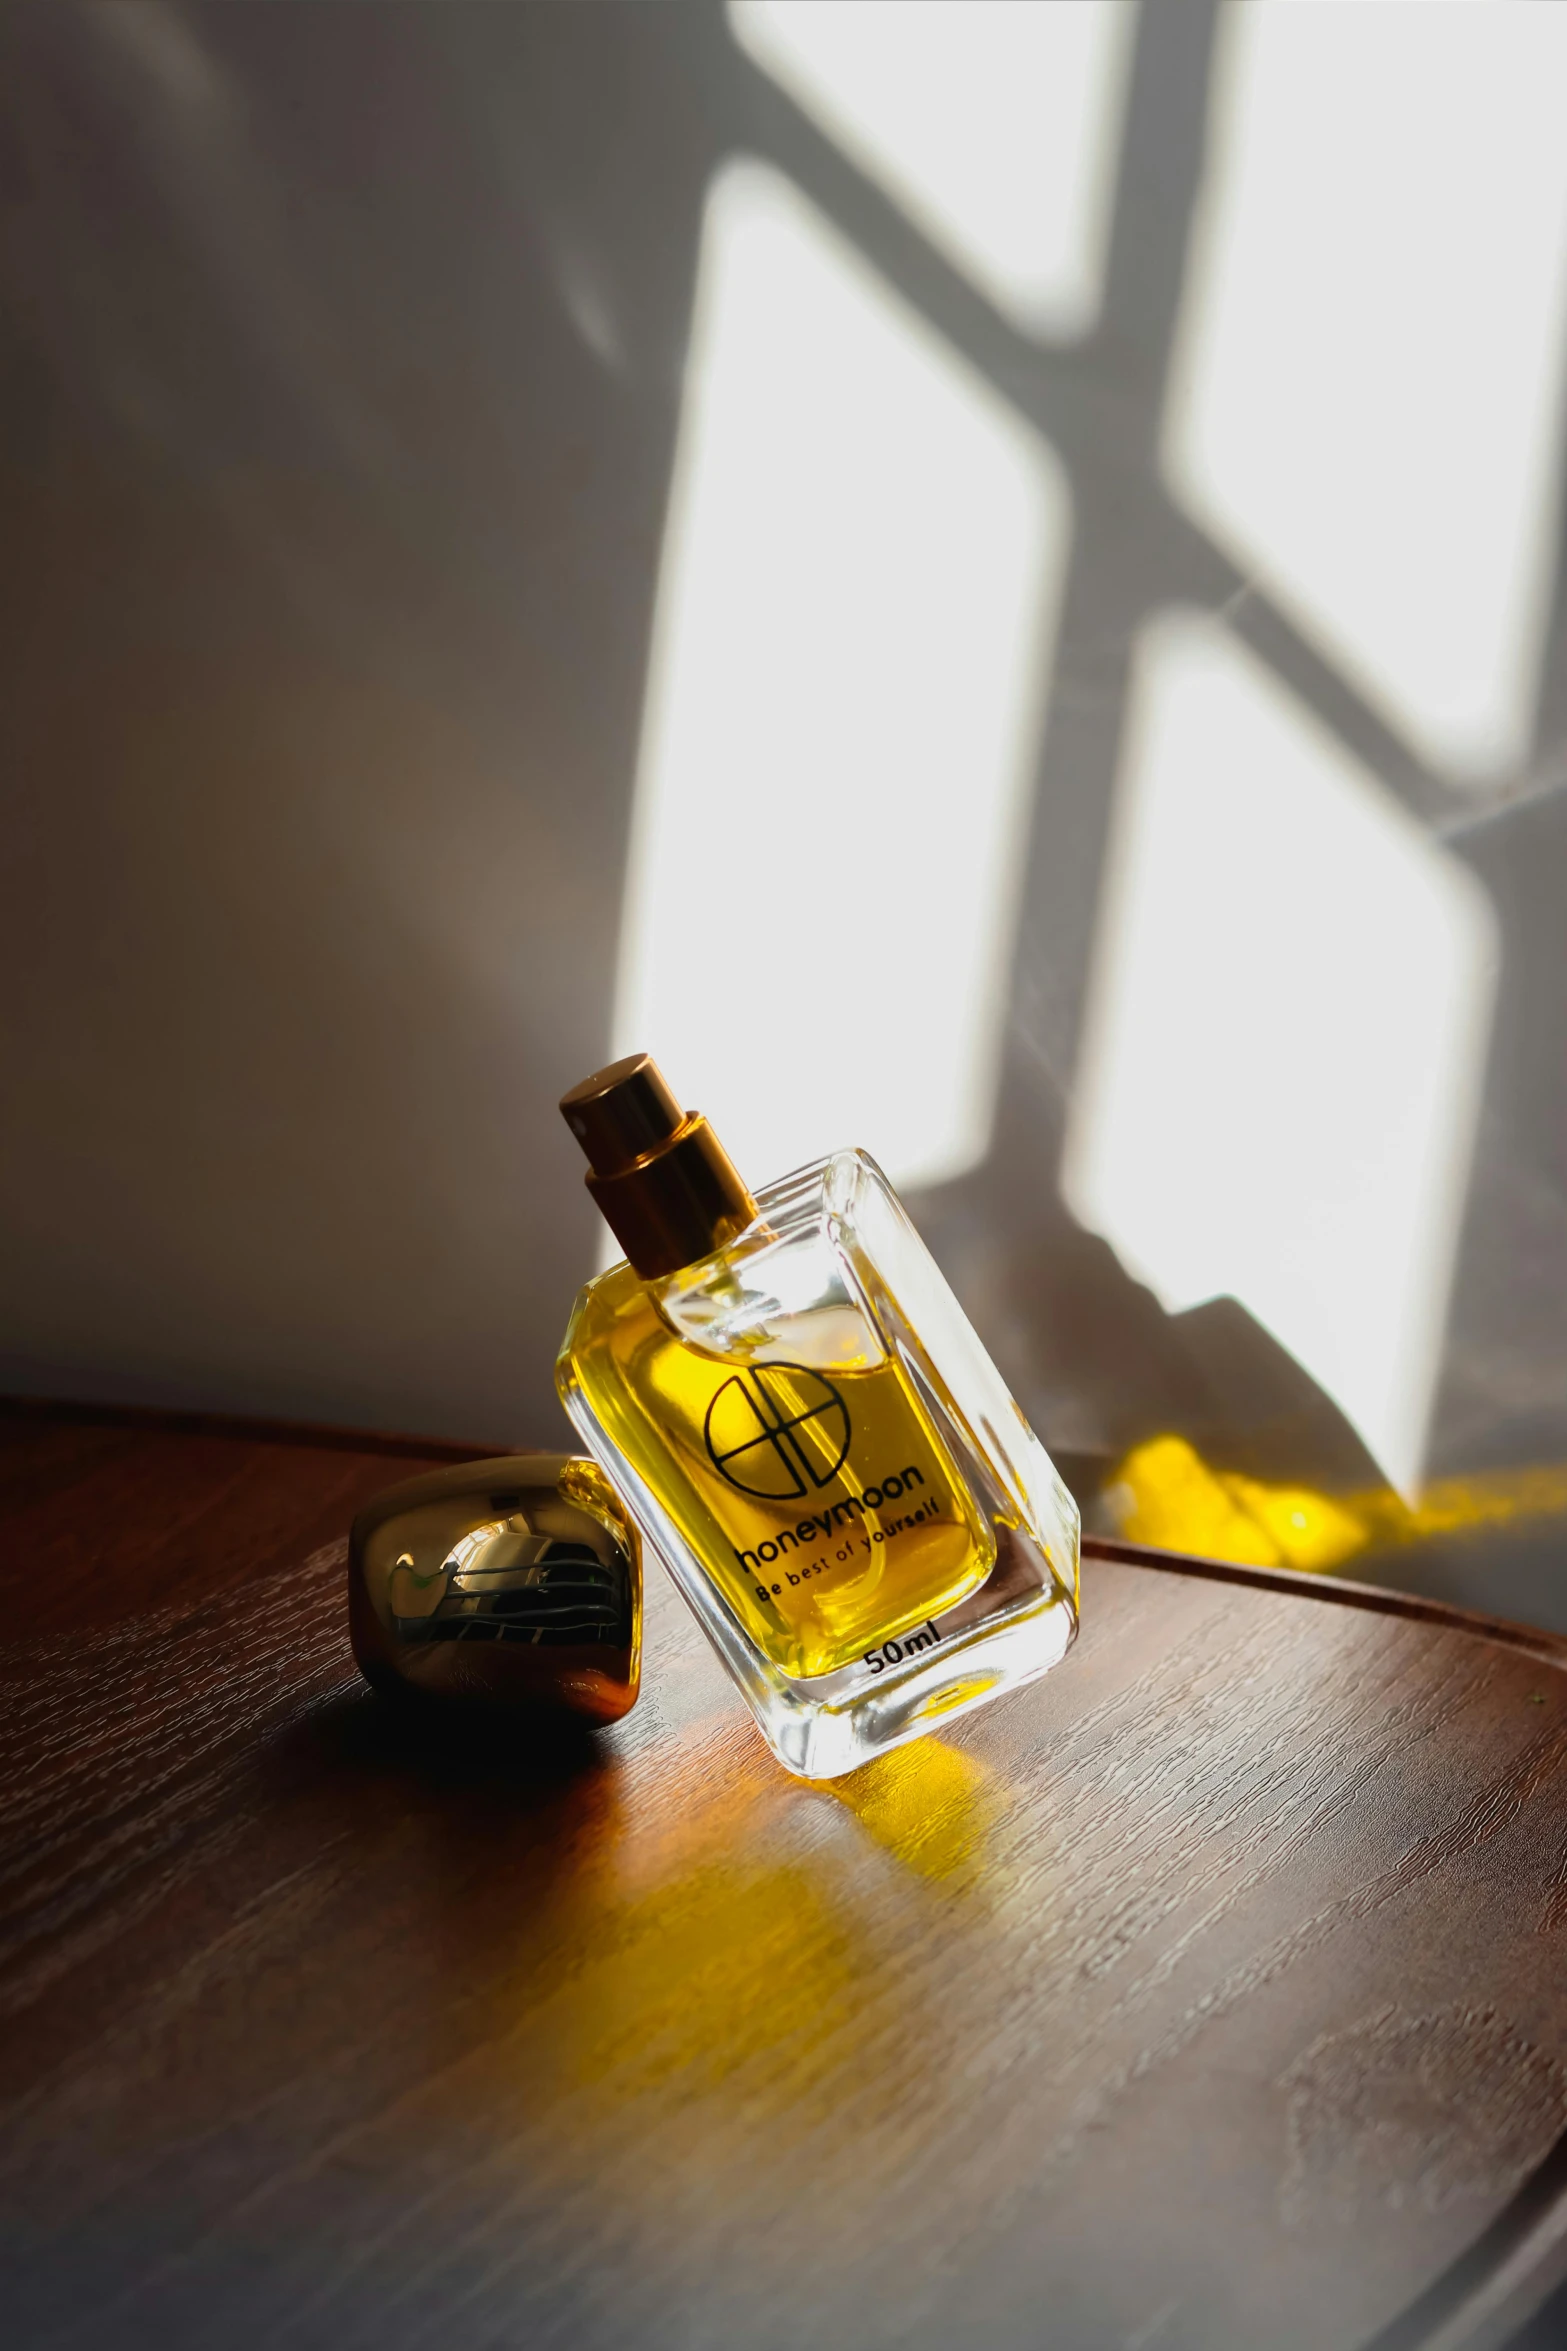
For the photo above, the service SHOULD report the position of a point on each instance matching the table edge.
(263, 1429)
(253, 1428)
(1296, 1583)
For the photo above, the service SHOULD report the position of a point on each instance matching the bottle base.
(821, 1738)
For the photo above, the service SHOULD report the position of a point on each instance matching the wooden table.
(1208, 1994)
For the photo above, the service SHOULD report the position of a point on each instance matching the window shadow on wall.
(343, 373)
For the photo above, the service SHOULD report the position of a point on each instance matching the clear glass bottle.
(810, 1436)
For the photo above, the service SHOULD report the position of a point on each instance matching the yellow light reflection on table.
(930, 1806)
(731, 1943)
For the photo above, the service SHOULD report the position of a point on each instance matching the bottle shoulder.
(786, 1289)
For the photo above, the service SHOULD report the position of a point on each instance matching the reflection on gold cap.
(514, 1582)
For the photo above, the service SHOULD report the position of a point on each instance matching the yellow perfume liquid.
(820, 1498)
(811, 1437)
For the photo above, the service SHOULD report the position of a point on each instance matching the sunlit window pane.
(1284, 1044)
(1366, 401)
(993, 122)
(861, 570)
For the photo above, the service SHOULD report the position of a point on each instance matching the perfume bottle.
(809, 1435)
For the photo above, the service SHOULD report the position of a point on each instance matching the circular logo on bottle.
(777, 1431)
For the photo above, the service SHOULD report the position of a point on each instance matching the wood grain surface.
(1208, 1994)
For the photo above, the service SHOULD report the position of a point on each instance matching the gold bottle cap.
(513, 1583)
(668, 1189)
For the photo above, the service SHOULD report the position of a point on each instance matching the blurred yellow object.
(1166, 1495)
(1307, 1529)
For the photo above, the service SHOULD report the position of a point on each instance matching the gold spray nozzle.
(666, 1186)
